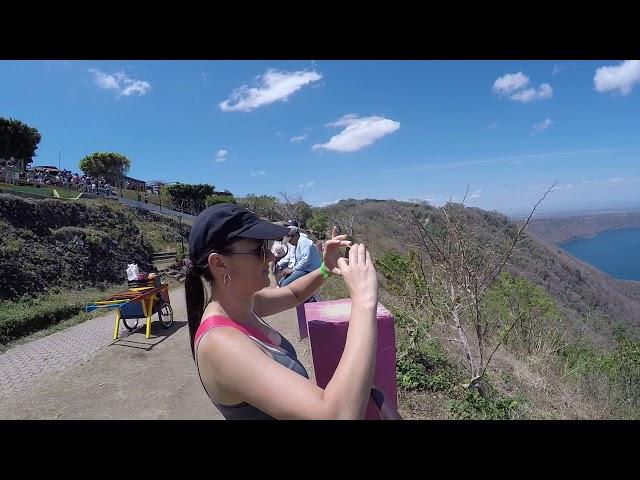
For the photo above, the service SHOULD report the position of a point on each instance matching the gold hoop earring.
(226, 279)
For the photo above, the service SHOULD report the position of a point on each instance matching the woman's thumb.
(343, 263)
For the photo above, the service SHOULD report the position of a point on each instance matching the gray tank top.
(244, 410)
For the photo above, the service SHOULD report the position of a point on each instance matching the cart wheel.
(165, 314)
(130, 323)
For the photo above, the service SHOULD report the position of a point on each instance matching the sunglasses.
(262, 251)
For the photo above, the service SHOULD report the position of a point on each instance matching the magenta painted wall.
(302, 321)
(327, 324)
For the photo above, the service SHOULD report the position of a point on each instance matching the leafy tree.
(215, 199)
(319, 224)
(111, 165)
(18, 140)
(262, 205)
(533, 314)
(187, 196)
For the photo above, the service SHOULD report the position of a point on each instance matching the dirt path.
(80, 373)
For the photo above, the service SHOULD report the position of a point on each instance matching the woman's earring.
(226, 279)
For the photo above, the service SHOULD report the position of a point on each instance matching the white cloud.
(259, 172)
(515, 86)
(431, 198)
(509, 83)
(615, 182)
(120, 82)
(221, 155)
(544, 91)
(308, 184)
(617, 77)
(539, 127)
(558, 68)
(344, 121)
(476, 194)
(568, 186)
(298, 138)
(497, 160)
(492, 126)
(358, 132)
(273, 86)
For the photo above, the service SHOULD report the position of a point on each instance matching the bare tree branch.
(465, 194)
(463, 266)
(498, 345)
(506, 257)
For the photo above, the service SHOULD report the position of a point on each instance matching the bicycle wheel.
(165, 314)
(130, 323)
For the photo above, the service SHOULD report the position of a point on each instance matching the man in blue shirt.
(302, 258)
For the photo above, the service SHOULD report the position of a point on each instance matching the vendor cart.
(141, 300)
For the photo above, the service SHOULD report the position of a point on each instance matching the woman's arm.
(270, 301)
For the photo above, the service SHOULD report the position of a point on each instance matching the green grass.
(158, 235)
(43, 190)
(47, 191)
(66, 193)
(76, 319)
(473, 406)
(333, 288)
(55, 312)
(25, 316)
(133, 195)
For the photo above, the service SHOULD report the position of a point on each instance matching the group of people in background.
(296, 255)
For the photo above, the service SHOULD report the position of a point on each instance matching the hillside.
(563, 229)
(573, 354)
(575, 285)
(75, 244)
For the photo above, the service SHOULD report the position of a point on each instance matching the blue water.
(616, 252)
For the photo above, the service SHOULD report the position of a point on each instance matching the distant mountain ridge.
(563, 229)
(577, 287)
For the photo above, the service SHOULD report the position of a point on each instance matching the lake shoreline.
(612, 251)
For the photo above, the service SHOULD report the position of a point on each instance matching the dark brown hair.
(194, 294)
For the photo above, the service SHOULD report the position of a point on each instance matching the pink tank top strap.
(221, 321)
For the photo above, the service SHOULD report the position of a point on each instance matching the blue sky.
(328, 130)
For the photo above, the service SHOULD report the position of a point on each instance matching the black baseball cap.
(218, 225)
(292, 223)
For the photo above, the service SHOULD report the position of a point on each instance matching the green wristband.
(323, 271)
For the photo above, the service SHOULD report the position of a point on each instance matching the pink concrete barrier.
(302, 321)
(327, 324)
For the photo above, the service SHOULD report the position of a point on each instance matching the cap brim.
(265, 231)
